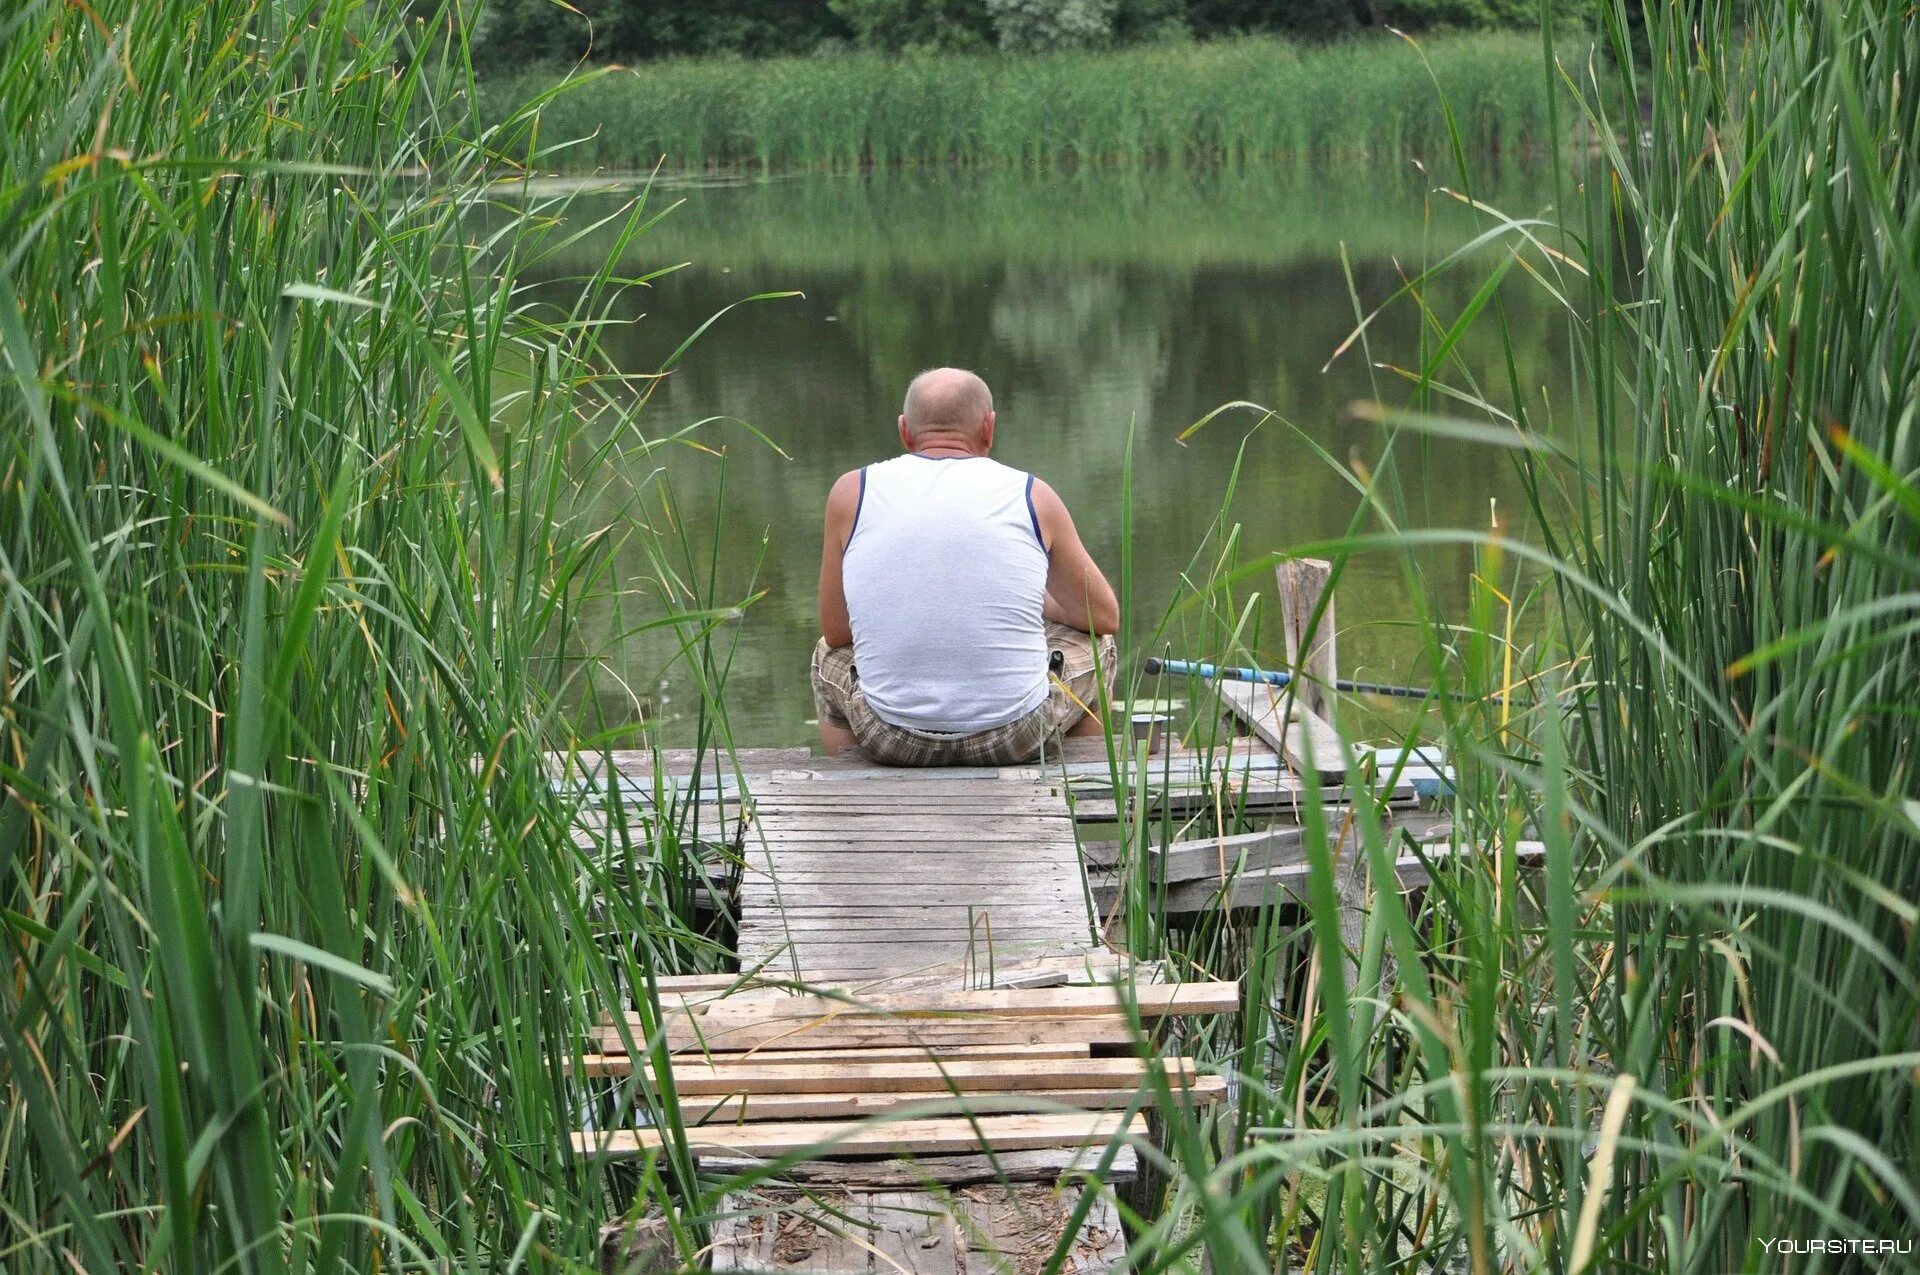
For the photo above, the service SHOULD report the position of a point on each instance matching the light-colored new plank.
(928, 1016)
(693, 1077)
(1048, 1165)
(601, 1065)
(856, 1033)
(935, 1136)
(1149, 1001)
(1199, 1091)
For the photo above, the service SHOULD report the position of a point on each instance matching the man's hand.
(1078, 595)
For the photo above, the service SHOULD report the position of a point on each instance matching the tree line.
(519, 31)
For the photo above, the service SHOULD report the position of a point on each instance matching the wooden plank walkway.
(966, 1025)
(848, 880)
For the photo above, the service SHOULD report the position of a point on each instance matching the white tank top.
(945, 577)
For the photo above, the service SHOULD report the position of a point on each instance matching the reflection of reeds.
(1245, 99)
(944, 222)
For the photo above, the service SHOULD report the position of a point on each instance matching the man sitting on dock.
(964, 623)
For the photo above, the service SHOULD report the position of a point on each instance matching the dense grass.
(1237, 100)
(298, 934)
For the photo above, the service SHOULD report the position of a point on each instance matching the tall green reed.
(299, 937)
(1237, 100)
(1687, 1035)
(1751, 551)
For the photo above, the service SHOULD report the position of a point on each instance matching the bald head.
(947, 400)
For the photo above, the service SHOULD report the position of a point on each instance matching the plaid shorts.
(837, 697)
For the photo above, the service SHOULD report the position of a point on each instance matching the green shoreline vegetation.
(303, 940)
(1254, 215)
(1238, 101)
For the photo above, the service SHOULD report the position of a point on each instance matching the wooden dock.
(927, 1031)
(927, 1036)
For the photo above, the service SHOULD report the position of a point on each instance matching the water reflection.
(1093, 304)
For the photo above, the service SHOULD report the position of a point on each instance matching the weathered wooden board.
(833, 1139)
(898, 1033)
(1074, 967)
(1153, 1000)
(930, 876)
(1281, 797)
(623, 1065)
(833, 884)
(1218, 857)
(1303, 737)
(874, 924)
(694, 1077)
(911, 1233)
(1195, 1090)
(1050, 1165)
(1288, 884)
(835, 894)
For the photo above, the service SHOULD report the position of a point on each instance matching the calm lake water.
(1102, 307)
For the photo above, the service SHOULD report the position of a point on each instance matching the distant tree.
(1427, 15)
(1136, 21)
(895, 26)
(1041, 26)
(509, 32)
(625, 30)
(1423, 15)
(1311, 19)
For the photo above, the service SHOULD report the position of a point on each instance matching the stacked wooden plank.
(765, 1073)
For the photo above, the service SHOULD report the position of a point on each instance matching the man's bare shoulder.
(846, 490)
(1047, 505)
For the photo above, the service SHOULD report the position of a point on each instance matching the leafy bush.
(1043, 26)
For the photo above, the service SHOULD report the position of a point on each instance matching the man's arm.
(1078, 595)
(842, 503)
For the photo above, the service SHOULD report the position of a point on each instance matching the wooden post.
(1302, 582)
(1294, 722)
(1311, 660)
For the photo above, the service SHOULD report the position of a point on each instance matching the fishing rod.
(1226, 672)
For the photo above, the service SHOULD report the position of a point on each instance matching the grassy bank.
(1237, 100)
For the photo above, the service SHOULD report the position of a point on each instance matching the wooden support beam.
(823, 1139)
